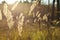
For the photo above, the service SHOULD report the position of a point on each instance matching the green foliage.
(39, 35)
(14, 34)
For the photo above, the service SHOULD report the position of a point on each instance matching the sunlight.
(0, 15)
(10, 1)
(14, 6)
(13, 1)
(1, 1)
(8, 15)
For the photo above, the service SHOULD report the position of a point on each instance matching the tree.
(58, 9)
(48, 2)
(53, 8)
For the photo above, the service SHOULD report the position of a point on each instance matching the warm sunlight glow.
(14, 6)
(10, 1)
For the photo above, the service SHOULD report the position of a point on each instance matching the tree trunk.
(58, 9)
(53, 8)
(58, 5)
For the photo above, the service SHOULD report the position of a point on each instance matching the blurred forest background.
(30, 20)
